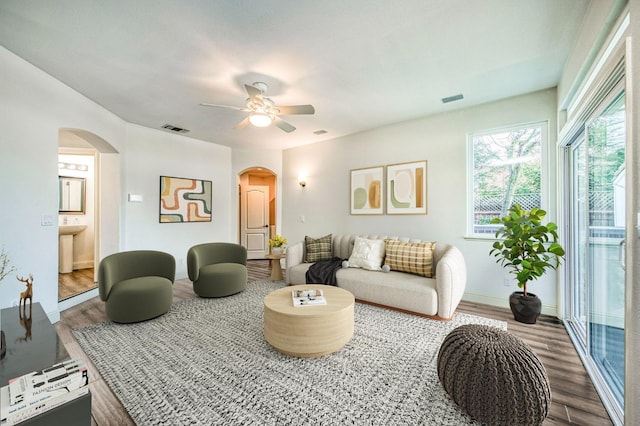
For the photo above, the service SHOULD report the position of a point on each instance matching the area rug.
(206, 362)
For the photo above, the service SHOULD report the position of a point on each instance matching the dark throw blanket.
(324, 272)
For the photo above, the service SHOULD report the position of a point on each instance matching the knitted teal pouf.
(494, 376)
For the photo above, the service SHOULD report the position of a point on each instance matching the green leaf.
(556, 249)
(523, 276)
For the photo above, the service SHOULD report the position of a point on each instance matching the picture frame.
(367, 191)
(407, 188)
(185, 200)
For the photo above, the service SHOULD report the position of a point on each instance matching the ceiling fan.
(263, 111)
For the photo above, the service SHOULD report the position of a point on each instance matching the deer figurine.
(28, 293)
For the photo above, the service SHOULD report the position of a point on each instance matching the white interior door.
(254, 217)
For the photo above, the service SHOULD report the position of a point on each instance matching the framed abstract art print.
(407, 188)
(184, 200)
(367, 191)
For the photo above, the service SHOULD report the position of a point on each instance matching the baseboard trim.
(73, 301)
(83, 264)
(504, 302)
(54, 316)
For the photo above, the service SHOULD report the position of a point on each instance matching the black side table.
(32, 344)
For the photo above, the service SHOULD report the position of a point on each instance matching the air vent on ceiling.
(452, 98)
(320, 132)
(174, 128)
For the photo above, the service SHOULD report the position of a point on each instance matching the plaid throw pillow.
(317, 249)
(414, 258)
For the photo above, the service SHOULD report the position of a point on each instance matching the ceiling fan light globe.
(260, 120)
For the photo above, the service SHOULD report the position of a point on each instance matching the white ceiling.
(361, 63)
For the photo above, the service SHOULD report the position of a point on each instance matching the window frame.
(544, 170)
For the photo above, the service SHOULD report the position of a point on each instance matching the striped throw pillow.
(317, 249)
(414, 258)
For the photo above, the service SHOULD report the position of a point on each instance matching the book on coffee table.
(39, 391)
(308, 297)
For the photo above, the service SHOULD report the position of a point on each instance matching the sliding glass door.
(579, 238)
(596, 262)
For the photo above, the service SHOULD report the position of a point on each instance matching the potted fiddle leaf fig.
(528, 249)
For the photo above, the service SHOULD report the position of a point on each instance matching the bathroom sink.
(71, 229)
(65, 248)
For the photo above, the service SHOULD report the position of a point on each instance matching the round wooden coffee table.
(308, 331)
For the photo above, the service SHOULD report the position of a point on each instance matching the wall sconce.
(302, 181)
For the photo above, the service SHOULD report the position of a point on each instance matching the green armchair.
(136, 285)
(217, 269)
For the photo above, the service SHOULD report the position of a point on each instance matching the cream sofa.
(433, 297)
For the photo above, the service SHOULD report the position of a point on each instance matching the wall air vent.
(452, 98)
(320, 132)
(174, 128)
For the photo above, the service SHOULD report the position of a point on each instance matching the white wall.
(33, 108)
(442, 141)
(153, 153)
(598, 21)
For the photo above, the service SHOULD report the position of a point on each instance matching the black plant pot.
(525, 309)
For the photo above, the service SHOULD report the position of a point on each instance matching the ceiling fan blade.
(296, 109)
(283, 125)
(241, 125)
(252, 92)
(225, 106)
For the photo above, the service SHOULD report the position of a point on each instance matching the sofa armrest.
(451, 280)
(294, 256)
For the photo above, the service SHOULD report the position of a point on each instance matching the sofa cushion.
(414, 258)
(317, 249)
(367, 254)
(397, 289)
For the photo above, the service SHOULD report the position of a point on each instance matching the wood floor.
(74, 283)
(574, 400)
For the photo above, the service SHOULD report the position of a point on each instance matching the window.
(505, 168)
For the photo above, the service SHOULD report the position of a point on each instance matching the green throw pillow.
(318, 249)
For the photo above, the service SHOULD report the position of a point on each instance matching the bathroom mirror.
(72, 196)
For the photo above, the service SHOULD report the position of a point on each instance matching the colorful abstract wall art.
(184, 200)
(367, 191)
(407, 188)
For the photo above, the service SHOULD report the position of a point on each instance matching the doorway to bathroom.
(102, 214)
(76, 221)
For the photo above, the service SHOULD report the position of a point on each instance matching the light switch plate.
(48, 220)
(136, 198)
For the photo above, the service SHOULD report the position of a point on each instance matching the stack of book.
(35, 393)
(308, 297)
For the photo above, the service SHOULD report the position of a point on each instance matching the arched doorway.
(257, 209)
(102, 208)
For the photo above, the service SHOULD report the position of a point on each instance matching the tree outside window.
(506, 170)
